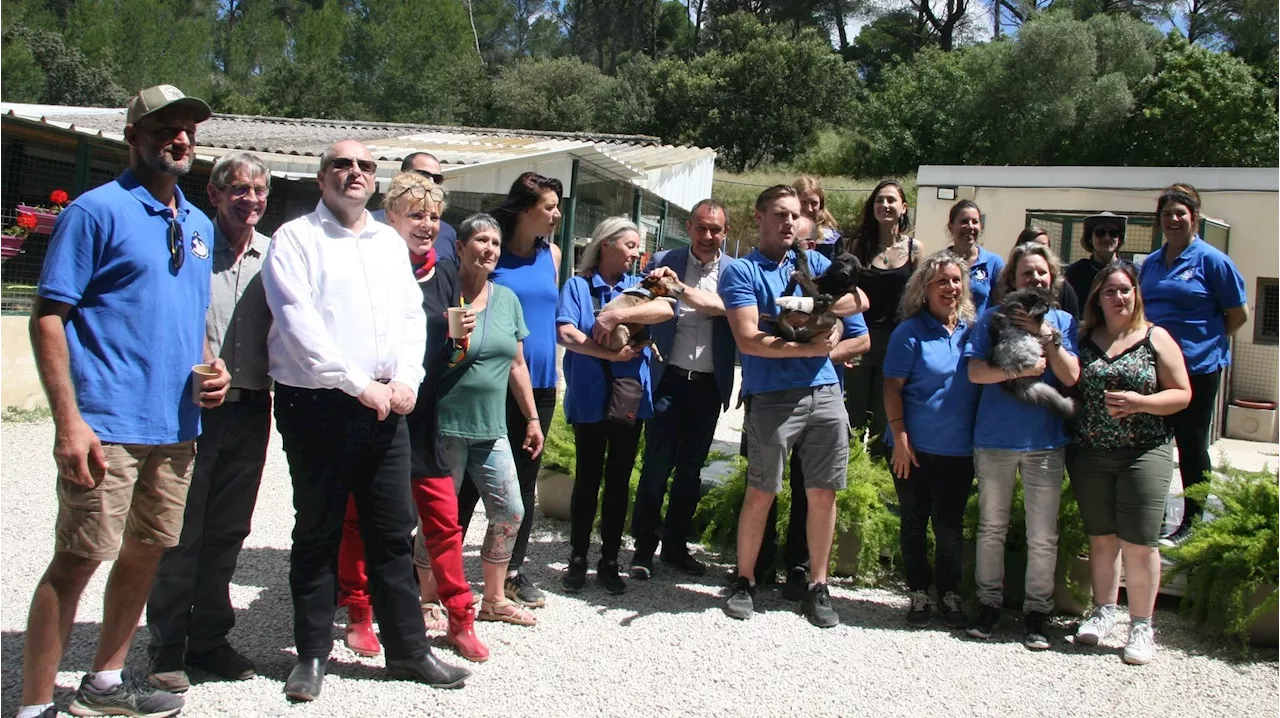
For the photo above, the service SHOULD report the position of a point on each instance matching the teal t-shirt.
(473, 395)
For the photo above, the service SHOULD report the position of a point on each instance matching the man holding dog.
(117, 328)
(793, 401)
(692, 385)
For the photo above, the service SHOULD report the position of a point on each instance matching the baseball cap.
(154, 99)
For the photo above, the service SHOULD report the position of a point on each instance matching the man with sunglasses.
(426, 164)
(1102, 238)
(189, 614)
(346, 351)
(117, 325)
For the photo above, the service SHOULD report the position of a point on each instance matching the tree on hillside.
(57, 74)
(315, 80)
(891, 39)
(149, 42)
(564, 94)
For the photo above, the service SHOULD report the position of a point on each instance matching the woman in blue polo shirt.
(1011, 438)
(964, 225)
(1193, 291)
(605, 449)
(930, 403)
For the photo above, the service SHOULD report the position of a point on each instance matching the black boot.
(429, 670)
(306, 679)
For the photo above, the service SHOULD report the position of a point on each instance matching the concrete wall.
(19, 383)
(1252, 216)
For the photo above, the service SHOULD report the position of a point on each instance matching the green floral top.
(1134, 370)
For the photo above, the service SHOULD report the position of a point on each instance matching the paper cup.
(456, 330)
(199, 373)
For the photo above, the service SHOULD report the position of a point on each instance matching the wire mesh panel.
(1253, 371)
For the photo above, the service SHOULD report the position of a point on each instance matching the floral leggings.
(489, 463)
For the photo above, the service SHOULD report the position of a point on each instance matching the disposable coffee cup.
(456, 330)
(200, 373)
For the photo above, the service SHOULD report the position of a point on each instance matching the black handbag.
(622, 401)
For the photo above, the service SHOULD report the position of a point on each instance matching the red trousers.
(438, 511)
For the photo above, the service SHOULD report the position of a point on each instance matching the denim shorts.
(1122, 492)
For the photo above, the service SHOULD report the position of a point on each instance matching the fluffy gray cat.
(1015, 349)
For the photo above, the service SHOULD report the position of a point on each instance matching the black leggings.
(526, 470)
(1191, 431)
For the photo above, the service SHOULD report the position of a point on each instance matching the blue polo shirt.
(136, 327)
(1188, 299)
(758, 280)
(586, 390)
(1005, 422)
(983, 274)
(938, 400)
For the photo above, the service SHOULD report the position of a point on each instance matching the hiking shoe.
(1096, 626)
(1141, 648)
(575, 576)
(224, 662)
(918, 614)
(684, 563)
(985, 624)
(952, 610)
(169, 672)
(131, 698)
(608, 578)
(641, 568)
(816, 606)
(520, 589)
(797, 584)
(741, 604)
(1034, 635)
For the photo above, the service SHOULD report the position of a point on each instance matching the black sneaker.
(608, 578)
(797, 584)
(919, 613)
(641, 567)
(520, 589)
(223, 662)
(1175, 539)
(985, 624)
(168, 671)
(952, 610)
(575, 577)
(817, 607)
(741, 604)
(131, 698)
(1034, 634)
(684, 563)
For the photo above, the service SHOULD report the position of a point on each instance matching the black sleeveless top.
(884, 288)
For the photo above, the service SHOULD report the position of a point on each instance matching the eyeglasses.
(437, 178)
(417, 192)
(240, 191)
(177, 254)
(1105, 231)
(346, 163)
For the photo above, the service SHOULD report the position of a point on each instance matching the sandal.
(506, 611)
(434, 615)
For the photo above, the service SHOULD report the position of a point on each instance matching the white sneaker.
(1141, 648)
(1097, 626)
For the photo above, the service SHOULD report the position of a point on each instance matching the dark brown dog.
(651, 288)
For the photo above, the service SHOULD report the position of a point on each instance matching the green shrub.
(1229, 559)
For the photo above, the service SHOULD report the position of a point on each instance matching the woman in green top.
(473, 407)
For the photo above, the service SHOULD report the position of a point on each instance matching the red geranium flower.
(58, 197)
(27, 221)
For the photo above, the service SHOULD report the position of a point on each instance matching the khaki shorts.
(143, 495)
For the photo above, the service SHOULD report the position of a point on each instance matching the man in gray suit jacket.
(691, 387)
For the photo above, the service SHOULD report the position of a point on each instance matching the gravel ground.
(664, 648)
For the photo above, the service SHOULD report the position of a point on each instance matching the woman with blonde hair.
(1132, 376)
(1013, 438)
(813, 205)
(931, 403)
(414, 204)
(606, 440)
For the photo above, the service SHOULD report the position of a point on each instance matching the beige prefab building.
(1241, 216)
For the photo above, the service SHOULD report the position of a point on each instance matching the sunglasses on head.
(177, 254)
(345, 163)
(1106, 231)
(434, 177)
(419, 193)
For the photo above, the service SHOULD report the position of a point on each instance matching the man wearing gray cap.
(117, 326)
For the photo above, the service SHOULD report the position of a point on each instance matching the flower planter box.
(44, 220)
(10, 246)
(554, 492)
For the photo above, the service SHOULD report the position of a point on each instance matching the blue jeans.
(489, 463)
(678, 437)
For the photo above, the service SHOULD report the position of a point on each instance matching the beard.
(164, 164)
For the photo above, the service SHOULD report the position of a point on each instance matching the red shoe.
(462, 636)
(360, 636)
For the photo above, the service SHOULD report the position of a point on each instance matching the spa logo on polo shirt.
(198, 247)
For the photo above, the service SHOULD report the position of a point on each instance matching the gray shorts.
(813, 422)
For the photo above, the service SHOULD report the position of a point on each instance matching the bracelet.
(898, 419)
(530, 419)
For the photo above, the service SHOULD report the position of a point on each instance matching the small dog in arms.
(1014, 350)
(651, 288)
(809, 315)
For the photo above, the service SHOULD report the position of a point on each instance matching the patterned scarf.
(423, 264)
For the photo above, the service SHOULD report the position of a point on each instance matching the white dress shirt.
(347, 309)
(691, 348)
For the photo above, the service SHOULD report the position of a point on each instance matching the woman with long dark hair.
(530, 267)
(888, 255)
